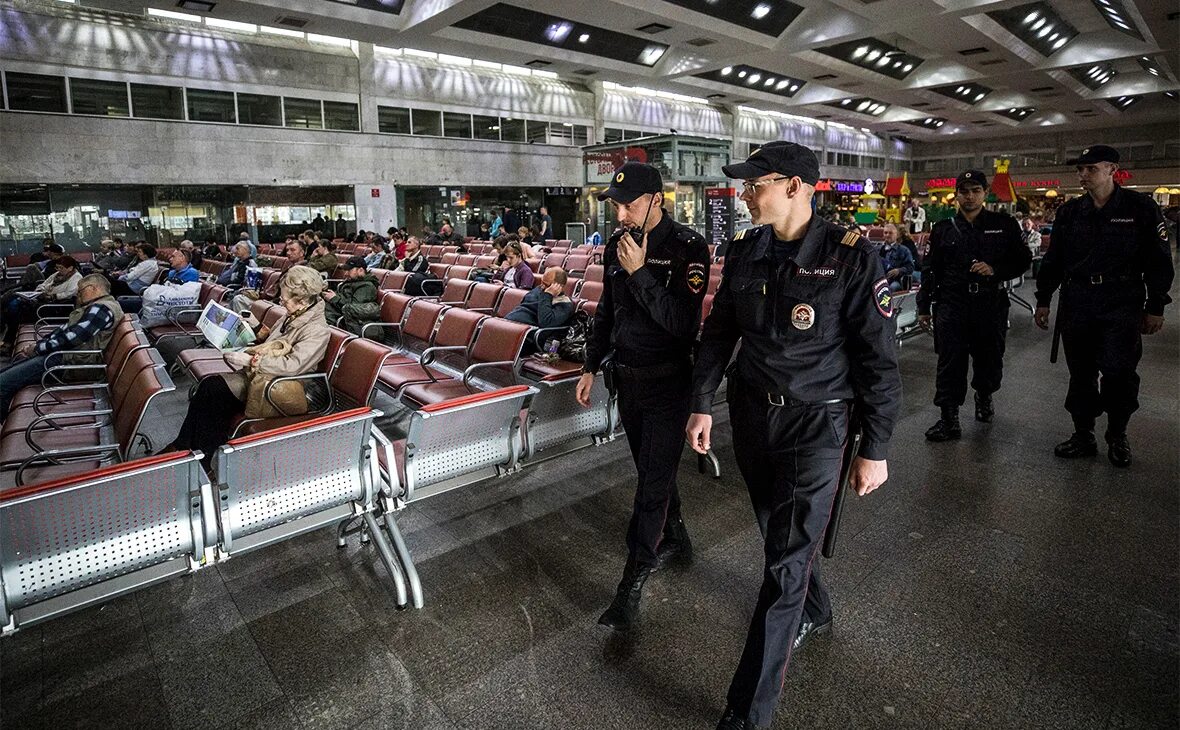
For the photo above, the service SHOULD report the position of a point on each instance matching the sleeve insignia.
(883, 298)
(696, 277)
(1162, 229)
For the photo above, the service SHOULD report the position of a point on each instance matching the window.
(581, 135)
(511, 130)
(537, 132)
(342, 115)
(561, 133)
(149, 101)
(427, 122)
(830, 158)
(260, 109)
(393, 120)
(303, 113)
(486, 127)
(211, 106)
(102, 98)
(611, 134)
(36, 93)
(456, 125)
(632, 133)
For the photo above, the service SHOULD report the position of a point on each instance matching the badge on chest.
(802, 316)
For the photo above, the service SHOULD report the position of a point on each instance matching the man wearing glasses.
(656, 272)
(89, 327)
(972, 256)
(811, 306)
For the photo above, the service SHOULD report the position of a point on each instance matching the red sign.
(610, 160)
(719, 192)
(1122, 175)
(940, 182)
(375, 193)
(823, 186)
(1052, 183)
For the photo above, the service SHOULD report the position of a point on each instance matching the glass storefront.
(467, 207)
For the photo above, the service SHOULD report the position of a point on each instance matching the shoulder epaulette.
(850, 238)
(740, 234)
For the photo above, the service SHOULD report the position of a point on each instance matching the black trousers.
(971, 331)
(790, 459)
(654, 411)
(1100, 334)
(210, 417)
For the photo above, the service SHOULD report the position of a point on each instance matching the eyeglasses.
(750, 187)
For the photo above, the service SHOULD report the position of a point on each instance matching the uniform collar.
(809, 250)
(1115, 199)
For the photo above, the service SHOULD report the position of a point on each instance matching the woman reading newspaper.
(295, 347)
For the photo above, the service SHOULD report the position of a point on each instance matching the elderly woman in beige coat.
(294, 347)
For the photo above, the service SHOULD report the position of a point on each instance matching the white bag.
(158, 298)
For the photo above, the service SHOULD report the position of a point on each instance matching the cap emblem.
(619, 177)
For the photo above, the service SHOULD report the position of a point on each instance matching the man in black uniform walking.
(656, 273)
(1109, 254)
(972, 256)
(810, 303)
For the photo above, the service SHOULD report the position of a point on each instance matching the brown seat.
(456, 291)
(591, 291)
(484, 297)
(497, 347)
(395, 281)
(456, 330)
(460, 272)
(509, 300)
(577, 263)
(540, 370)
(355, 377)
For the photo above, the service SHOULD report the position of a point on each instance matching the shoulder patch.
(883, 298)
(1162, 230)
(696, 276)
(850, 238)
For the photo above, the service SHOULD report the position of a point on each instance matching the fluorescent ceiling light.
(727, 70)
(583, 38)
(544, 74)
(328, 40)
(231, 25)
(557, 32)
(454, 60)
(416, 52)
(651, 54)
(173, 15)
(761, 11)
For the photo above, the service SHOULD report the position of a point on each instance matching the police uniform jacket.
(956, 243)
(651, 317)
(816, 328)
(1123, 243)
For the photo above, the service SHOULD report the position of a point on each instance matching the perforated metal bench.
(85, 539)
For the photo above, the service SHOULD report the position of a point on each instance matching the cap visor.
(744, 170)
(618, 195)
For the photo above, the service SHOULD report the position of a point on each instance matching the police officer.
(810, 303)
(656, 273)
(1109, 255)
(972, 256)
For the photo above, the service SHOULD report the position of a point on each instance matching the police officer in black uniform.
(656, 273)
(810, 303)
(972, 256)
(1109, 255)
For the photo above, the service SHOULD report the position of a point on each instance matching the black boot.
(1118, 450)
(675, 545)
(624, 610)
(947, 428)
(734, 720)
(983, 408)
(1082, 443)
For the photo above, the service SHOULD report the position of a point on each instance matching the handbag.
(288, 398)
(573, 347)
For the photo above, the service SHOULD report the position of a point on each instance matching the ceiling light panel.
(861, 105)
(927, 122)
(1114, 12)
(750, 77)
(1150, 66)
(1122, 103)
(769, 17)
(1038, 25)
(875, 55)
(968, 93)
(509, 21)
(393, 7)
(1094, 77)
(1017, 113)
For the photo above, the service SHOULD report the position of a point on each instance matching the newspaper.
(223, 328)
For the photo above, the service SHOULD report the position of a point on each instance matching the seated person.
(546, 305)
(355, 299)
(143, 274)
(418, 267)
(89, 327)
(895, 258)
(376, 256)
(118, 257)
(323, 258)
(30, 277)
(295, 252)
(515, 272)
(212, 250)
(180, 270)
(195, 257)
(234, 275)
(1031, 236)
(220, 399)
(60, 288)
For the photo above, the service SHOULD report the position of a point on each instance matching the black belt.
(976, 287)
(651, 372)
(1099, 279)
(782, 401)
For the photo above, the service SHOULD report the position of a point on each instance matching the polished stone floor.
(987, 585)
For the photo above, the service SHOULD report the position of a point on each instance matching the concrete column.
(598, 133)
(367, 84)
(376, 207)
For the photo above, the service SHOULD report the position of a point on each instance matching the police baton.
(841, 491)
(1056, 331)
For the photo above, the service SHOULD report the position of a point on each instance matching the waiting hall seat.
(84, 539)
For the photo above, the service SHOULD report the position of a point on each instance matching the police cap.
(1097, 153)
(783, 158)
(971, 177)
(632, 180)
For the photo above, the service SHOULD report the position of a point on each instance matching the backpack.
(573, 347)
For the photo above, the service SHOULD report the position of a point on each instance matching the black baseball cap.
(971, 176)
(355, 262)
(632, 180)
(784, 158)
(1097, 153)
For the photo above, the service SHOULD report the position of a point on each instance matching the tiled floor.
(987, 585)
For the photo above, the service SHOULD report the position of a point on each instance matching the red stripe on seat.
(321, 420)
(473, 398)
(18, 492)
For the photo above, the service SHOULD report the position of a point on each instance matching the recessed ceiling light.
(727, 70)
(761, 11)
(860, 51)
(741, 74)
(583, 38)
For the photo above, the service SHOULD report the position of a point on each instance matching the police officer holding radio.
(656, 273)
(1109, 255)
(972, 256)
(810, 303)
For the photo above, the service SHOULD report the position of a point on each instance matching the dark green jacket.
(356, 301)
